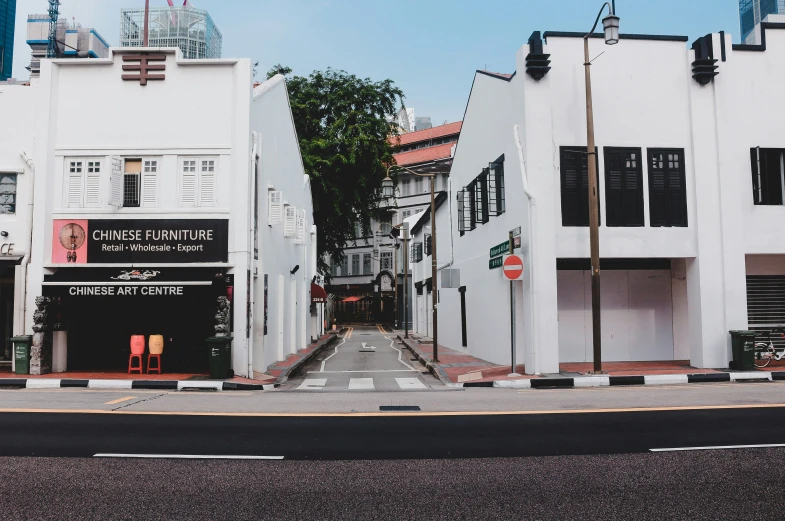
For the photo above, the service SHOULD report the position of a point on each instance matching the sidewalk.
(458, 369)
(279, 372)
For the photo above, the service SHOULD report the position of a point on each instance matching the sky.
(429, 48)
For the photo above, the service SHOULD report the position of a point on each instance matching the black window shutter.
(575, 186)
(756, 173)
(667, 188)
(623, 187)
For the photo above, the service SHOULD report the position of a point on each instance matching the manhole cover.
(386, 408)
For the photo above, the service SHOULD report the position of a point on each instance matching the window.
(345, 266)
(334, 268)
(407, 214)
(623, 187)
(290, 222)
(427, 243)
(131, 182)
(355, 264)
(387, 260)
(481, 197)
(667, 188)
(418, 185)
(83, 183)
(495, 181)
(405, 187)
(7, 193)
(385, 225)
(274, 207)
(367, 269)
(768, 176)
(140, 183)
(416, 252)
(465, 215)
(197, 183)
(301, 223)
(575, 187)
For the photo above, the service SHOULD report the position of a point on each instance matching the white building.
(158, 192)
(691, 201)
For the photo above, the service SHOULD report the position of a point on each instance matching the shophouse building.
(691, 184)
(162, 187)
(365, 282)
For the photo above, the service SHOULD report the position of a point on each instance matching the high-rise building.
(7, 22)
(190, 29)
(71, 40)
(753, 12)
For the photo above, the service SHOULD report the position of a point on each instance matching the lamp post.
(434, 268)
(611, 26)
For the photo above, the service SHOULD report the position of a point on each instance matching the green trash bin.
(22, 353)
(743, 350)
(220, 356)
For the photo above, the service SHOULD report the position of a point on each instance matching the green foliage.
(344, 135)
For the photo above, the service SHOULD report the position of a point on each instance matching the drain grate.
(386, 408)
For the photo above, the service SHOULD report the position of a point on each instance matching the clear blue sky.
(430, 48)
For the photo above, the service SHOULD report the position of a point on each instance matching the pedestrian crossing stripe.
(360, 384)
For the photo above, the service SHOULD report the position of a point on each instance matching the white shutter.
(188, 183)
(74, 187)
(93, 184)
(300, 238)
(290, 222)
(274, 204)
(207, 183)
(117, 182)
(149, 183)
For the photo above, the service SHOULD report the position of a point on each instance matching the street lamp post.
(611, 26)
(434, 268)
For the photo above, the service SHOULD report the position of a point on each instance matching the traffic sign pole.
(512, 314)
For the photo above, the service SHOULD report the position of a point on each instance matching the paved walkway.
(460, 368)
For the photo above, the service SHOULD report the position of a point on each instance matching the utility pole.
(406, 279)
(434, 272)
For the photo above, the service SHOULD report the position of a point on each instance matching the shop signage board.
(134, 241)
(110, 282)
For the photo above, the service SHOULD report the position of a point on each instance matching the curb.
(436, 370)
(286, 371)
(157, 385)
(613, 381)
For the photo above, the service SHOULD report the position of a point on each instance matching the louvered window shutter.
(667, 188)
(290, 222)
(207, 183)
(117, 182)
(188, 184)
(150, 183)
(75, 184)
(93, 184)
(275, 203)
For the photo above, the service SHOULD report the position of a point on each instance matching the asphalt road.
(727, 485)
(365, 360)
(386, 437)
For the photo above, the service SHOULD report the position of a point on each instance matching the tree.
(344, 134)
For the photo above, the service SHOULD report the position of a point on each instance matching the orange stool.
(150, 367)
(132, 367)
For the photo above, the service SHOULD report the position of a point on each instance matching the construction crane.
(52, 50)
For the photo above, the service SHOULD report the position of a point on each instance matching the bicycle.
(765, 352)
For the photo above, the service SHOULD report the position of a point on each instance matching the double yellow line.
(349, 333)
(380, 328)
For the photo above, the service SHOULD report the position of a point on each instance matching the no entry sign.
(513, 267)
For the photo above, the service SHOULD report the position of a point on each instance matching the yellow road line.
(349, 333)
(397, 414)
(119, 400)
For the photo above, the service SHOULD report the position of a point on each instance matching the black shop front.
(101, 307)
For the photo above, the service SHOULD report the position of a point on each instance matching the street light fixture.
(387, 187)
(611, 26)
(434, 268)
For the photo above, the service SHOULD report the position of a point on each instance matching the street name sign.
(495, 262)
(516, 232)
(500, 249)
(513, 267)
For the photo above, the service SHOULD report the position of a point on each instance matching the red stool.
(132, 367)
(150, 367)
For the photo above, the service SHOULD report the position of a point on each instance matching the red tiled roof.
(428, 134)
(423, 155)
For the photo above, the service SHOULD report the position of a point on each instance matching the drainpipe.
(29, 240)
(252, 246)
(532, 242)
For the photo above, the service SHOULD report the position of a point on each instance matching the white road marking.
(410, 383)
(400, 354)
(367, 346)
(720, 447)
(367, 371)
(313, 384)
(184, 456)
(332, 355)
(361, 384)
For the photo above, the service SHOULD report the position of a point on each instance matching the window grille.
(131, 190)
(495, 182)
(427, 242)
(387, 260)
(7, 193)
(481, 197)
(416, 252)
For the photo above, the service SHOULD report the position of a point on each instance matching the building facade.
(138, 230)
(753, 12)
(191, 30)
(369, 278)
(691, 201)
(7, 25)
